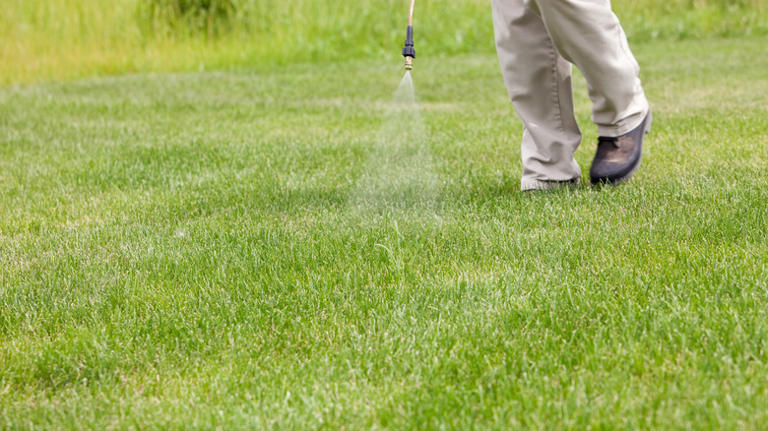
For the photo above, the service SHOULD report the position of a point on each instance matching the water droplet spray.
(400, 172)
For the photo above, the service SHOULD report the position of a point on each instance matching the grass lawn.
(233, 248)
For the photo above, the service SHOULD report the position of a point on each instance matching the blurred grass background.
(61, 39)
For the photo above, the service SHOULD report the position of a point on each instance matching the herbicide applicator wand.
(408, 52)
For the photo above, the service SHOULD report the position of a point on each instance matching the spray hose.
(408, 51)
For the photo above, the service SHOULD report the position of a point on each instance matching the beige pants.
(537, 41)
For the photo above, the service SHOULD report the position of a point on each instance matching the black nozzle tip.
(408, 50)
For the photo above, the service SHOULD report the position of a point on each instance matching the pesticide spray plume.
(408, 51)
(400, 173)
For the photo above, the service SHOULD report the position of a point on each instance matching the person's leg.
(539, 83)
(588, 34)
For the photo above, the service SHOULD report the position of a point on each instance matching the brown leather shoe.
(618, 158)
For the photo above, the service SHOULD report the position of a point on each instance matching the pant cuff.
(535, 184)
(624, 127)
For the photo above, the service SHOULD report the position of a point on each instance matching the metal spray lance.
(408, 52)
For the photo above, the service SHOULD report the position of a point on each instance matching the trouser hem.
(536, 184)
(624, 127)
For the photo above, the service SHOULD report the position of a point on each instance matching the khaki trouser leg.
(538, 79)
(537, 40)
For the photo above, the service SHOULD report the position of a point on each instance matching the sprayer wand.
(408, 52)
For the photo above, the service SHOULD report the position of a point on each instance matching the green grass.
(192, 250)
(42, 40)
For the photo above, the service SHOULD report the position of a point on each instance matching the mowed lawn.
(243, 249)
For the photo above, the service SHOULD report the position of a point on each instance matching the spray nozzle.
(408, 52)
